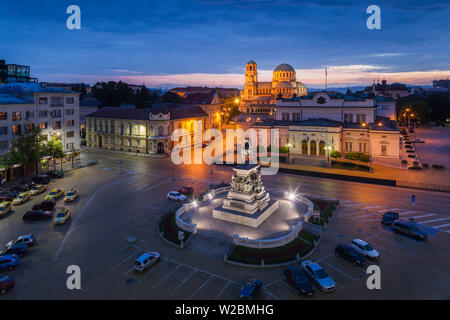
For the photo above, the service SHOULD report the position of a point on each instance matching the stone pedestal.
(247, 202)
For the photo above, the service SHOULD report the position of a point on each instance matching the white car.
(364, 249)
(146, 260)
(175, 195)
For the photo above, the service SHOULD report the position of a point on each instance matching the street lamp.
(328, 148)
(288, 145)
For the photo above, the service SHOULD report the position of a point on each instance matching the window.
(4, 144)
(56, 113)
(57, 125)
(296, 116)
(43, 113)
(3, 115)
(285, 116)
(69, 146)
(29, 127)
(70, 112)
(70, 100)
(69, 134)
(16, 116)
(70, 123)
(43, 125)
(130, 143)
(348, 117)
(43, 100)
(17, 129)
(3, 130)
(56, 102)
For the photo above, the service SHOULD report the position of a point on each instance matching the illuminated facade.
(260, 97)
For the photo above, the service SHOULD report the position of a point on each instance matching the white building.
(344, 123)
(28, 105)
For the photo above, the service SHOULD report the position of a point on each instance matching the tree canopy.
(113, 93)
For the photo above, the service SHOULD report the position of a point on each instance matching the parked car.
(56, 174)
(62, 215)
(9, 262)
(28, 239)
(251, 289)
(174, 195)
(418, 141)
(351, 255)
(56, 193)
(146, 260)
(410, 229)
(7, 196)
(365, 249)
(318, 276)
(26, 186)
(46, 205)
(298, 280)
(389, 217)
(5, 207)
(41, 179)
(21, 198)
(20, 249)
(186, 190)
(6, 283)
(34, 215)
(71, 195)
(38, 189)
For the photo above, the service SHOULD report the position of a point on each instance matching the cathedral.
(260, 97)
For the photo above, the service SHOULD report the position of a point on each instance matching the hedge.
(349, 166)
(357, 156)
(169, 227)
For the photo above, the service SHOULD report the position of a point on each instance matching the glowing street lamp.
(291, 196)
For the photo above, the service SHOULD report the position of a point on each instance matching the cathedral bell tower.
(251, 80)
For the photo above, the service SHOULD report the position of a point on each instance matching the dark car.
(186, 190)
(26, 186)
(298, 280)
(34, 215)
(389, 217)
(16, 190)
(46, 205)
(410, 229)
(6, 196)
(56, 174)
(6, 283)
(41, 179)
(351, 255)
(20, 249)
(251, 289)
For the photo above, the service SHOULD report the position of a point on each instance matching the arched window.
(160, 131)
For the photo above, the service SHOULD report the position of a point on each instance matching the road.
(118, 202)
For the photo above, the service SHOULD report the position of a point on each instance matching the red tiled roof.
(200, 98)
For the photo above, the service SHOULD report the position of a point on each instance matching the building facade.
(12, 73)
(260, 97)
(394, 90)
(27, 106)
(146, 131)
(316, 124)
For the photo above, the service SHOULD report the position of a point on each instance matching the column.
(309, 147)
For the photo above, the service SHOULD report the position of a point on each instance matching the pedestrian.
(413, 200)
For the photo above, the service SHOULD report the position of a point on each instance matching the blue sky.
(176, 42)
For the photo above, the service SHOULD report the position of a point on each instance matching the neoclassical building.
(315, 124)
(260, 97)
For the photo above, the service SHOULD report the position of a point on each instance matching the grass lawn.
(349, 166)
(170, 228)
(282, 254)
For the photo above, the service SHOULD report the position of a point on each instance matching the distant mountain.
(338, 89)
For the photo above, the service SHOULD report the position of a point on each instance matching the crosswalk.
(363, 211)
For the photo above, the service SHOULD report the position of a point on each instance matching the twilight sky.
(207, 42)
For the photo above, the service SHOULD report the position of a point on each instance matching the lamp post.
(288, 145)
(328, 148)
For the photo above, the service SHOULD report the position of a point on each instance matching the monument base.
(248, 219)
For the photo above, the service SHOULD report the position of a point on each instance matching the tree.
(145, 98)
(54, 149)
(418, 106)
(171, 97)
(112, 93)
(230, 108)
(25, 149)
(440, 107)
(335, 154)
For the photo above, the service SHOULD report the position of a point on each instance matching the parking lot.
(117, 204)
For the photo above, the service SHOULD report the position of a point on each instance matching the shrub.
(415, 163)
(284, 150)
(411, 156)
(415, 168)
(357, 156)
(409, 151)
(404, 162)
(425, 165)
(408, 147)
(335, 154)
(438, 167)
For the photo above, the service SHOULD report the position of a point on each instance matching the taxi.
(71, 195)
(38, 189)
(5, 207)
(21, 198)
(55, 194)
(62, 215)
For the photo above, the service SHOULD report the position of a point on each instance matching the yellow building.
(260, 97)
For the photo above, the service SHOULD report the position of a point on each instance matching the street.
(122, 200)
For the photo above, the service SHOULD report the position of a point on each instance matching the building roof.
(32, 87)
(251, 62)
(6, 98)
(176, 112)
(200, 98)
(284, 67)
(284, 84)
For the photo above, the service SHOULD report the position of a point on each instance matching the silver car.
(146, 260)
(316, 273)
(409, 228)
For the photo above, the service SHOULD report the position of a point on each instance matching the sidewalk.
(429, 176)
